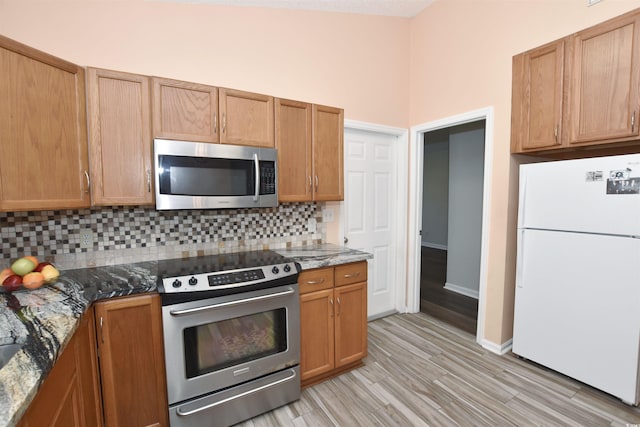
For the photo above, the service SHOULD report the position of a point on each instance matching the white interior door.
(371, 207)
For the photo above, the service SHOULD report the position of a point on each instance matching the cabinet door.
(328, 169)
(132, 361)
(293, 141)
(604, 86)
(120, 137)
(246, 118)
(185, 111)
(538, 77)
(351, 323)
(69, 396)
(44, 162)
(316, 333)
(87, 366)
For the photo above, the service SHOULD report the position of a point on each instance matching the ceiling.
(401, 8)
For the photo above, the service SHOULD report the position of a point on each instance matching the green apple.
(23, 266)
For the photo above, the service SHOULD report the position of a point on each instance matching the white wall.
(435, 201)
(466, 171)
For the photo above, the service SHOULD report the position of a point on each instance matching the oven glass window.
(218, 345)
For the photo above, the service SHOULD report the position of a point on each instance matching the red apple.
(5, 273)
(12, 283)
(40, 266)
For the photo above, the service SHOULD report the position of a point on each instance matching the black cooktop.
(217, 263)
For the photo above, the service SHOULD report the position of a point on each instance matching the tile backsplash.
(132, 234)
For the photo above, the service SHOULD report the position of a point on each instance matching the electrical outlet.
(327, 215)
(86, 238)
(592, 2)
(312, 225)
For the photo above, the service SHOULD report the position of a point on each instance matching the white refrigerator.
(577, 296)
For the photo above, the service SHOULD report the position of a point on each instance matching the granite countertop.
(323, 255)
(43, 320)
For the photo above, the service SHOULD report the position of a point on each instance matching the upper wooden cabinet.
(246, 118)
(328, 156)
(604, 99)
(119, 137)
(580, 91)
(309, 139)
(293, 141)
(185, 111)
(44, 162)
(538, 82)
(195, 112)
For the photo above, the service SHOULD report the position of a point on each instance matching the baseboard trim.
(461, 290)
(434, 245)
(497, 348)
(381, 315)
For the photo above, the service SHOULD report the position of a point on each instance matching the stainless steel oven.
(231, 336)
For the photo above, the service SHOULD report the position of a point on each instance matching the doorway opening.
(452, 195)
(416, 156)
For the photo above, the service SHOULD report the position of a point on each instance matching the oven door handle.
(238, 396)
(230, 303)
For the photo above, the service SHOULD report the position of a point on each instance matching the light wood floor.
(422, 372)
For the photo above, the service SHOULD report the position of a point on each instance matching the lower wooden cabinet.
(333, 320)
(70, 395)
(131, 354)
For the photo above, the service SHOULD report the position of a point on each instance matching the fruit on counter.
(50, 273)
(33, 280)
(12, 283)
(23, 266)
(42, 265)
(5, 273)
(32, 258)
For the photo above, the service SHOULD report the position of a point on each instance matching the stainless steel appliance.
(195, 175)
(231, 336)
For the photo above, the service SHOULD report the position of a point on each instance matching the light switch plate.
(327, 215)
(592, 2)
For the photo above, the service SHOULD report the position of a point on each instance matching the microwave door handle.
(256, 163)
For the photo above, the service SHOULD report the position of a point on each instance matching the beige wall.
(461, 54)
(356, 62)
(453, 58)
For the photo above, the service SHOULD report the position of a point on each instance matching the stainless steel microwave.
(195, 175)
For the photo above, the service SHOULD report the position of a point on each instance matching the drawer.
(315, 280)
(351, 273)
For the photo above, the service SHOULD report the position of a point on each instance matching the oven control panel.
(227, 279)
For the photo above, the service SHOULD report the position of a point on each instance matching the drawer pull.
(348, 276)
(314, 282)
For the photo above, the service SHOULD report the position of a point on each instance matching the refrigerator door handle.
(522, 202)
(520, 260)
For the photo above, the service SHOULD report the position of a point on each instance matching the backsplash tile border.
(135, 234)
